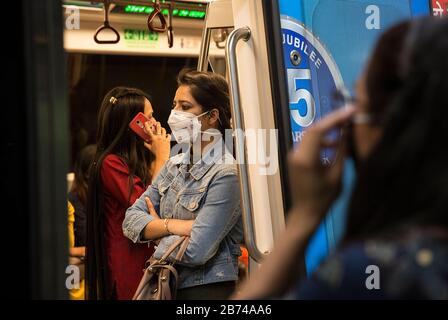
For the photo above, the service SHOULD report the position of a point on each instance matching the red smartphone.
(138, 124)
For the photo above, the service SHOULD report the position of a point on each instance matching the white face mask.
(185, 126)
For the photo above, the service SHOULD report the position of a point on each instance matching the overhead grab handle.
(106, 25)
(169, 32)
(157, 13)
(170, 37)
(220, 36)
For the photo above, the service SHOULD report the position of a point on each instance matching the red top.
(125, 259)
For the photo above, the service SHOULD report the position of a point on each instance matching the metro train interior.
(283, 60)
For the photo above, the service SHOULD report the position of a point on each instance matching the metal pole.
(241, 157)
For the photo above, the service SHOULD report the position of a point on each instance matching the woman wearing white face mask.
(186, 126)
(196, 196)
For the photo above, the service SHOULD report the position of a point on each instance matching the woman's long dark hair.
(404, 181)
(119, 107)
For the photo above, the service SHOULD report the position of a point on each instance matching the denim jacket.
(209, 193)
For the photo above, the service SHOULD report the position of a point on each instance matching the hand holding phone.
(138, 126)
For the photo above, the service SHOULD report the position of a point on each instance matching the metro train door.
(256, 137)
(285, 60)
(262, 136)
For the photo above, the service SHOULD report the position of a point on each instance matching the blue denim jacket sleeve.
(137, 216)
(217, 216)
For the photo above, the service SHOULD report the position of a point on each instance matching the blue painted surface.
(420, 7)
(340, 25)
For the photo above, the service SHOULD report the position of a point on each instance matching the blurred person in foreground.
(396, 238)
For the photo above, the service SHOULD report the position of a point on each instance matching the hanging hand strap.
(157, 13)
(170, 27)
(106, 25)
(182, 250)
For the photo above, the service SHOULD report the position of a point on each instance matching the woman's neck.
(197, 153)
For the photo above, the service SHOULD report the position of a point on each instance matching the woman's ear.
(213, 117)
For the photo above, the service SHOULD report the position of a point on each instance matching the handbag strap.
(173, 247)
(182, 250)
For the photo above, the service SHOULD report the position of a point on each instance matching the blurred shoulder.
(411, 267)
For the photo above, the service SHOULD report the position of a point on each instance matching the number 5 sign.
(313, 76)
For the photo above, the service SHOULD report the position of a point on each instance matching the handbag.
(160, 278)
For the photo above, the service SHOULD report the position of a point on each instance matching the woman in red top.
(124, 166)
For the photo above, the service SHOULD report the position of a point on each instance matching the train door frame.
(218, 16)
(45, 150)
